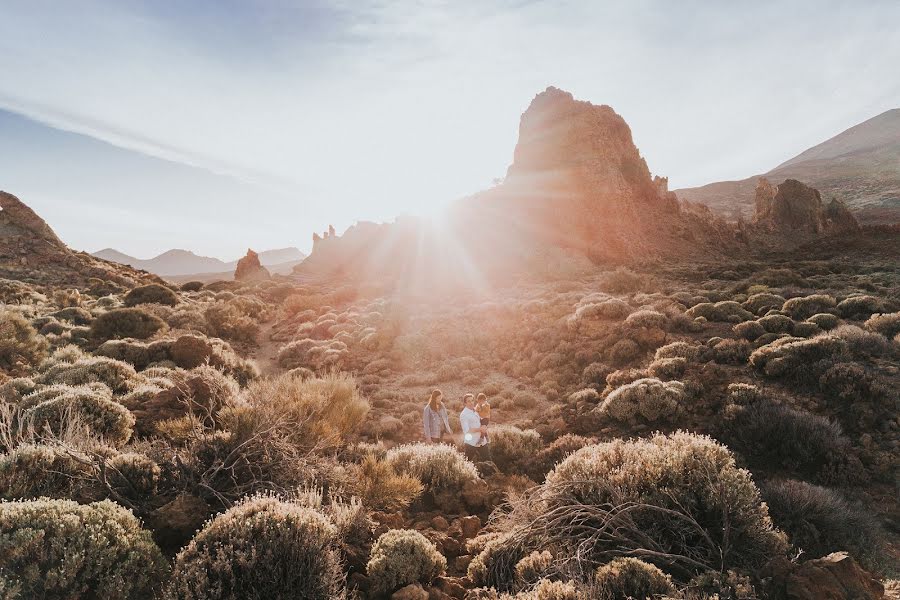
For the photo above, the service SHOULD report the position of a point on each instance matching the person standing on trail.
(483, 408)
(434, 418)
(470, 423)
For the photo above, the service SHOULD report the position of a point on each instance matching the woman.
(434, 418)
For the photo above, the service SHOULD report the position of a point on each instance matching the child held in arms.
(483, 408)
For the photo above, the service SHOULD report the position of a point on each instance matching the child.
(483, 408)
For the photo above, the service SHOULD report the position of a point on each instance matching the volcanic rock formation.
(577, 191)
(793, 207)
(31, 252)
(250, 269)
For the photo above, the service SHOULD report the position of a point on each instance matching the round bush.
(645, 399)
(825, 321)
(513, 449)
(860, 307)
(686, 473)
(20, 344)
(126, 323)
(770, 435)
(114, 374)
(552, 454)
(437, 466)
(401, 557)
(763, 301)
(631, 578)
(133, 475)
(821, 521)
(105, 418)
(62, 550)
(261, 549)
(887, 324)
(153, 293)
(35, 470)
(806, 306)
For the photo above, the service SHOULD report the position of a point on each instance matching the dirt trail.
(266, 354)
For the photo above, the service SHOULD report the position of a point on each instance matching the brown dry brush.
(581, 537)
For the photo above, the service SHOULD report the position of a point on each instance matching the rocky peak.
(793, 206)
(14, 214)
(249, 268)
(31, 252)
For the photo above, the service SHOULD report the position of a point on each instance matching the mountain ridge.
(181, 262)
(860, 166)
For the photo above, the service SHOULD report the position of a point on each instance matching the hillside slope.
(860, 166)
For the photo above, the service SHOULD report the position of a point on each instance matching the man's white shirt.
(469, 420)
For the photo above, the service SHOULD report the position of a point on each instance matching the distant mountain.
(860, 166)
(184, 262)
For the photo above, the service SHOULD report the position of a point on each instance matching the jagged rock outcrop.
(794, 207)
(577, 192)
(31, 252)
(250, 269)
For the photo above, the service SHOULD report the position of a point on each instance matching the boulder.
(833, 577)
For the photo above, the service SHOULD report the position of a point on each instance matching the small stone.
(413, 591)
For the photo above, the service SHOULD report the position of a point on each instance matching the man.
(470, 422)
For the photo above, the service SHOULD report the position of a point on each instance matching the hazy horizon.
(254, 124)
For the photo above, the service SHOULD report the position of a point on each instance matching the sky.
(255, 122)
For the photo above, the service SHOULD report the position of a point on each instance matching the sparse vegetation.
(401, 557)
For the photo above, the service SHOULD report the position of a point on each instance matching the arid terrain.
(682, 406)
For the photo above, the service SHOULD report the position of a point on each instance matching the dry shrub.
(860, 308)
(776, 323)
(322, 411)
(438, 466)
(192, 286)
(648, 400)
(75, 315)
(622, 281)
(749, 330)
(624, 352)
(887, 324)
(689, 352)
(862, 343)
(261, 549)
(533, 568)
(20, 345)
(40, 470)
(825, 321)
(631, 578)
(555, 452)
(647, 318)
(800, 359)
(126, 323)
(153, 293)
(62, 550)
(401, 557)
(726, 311)
(513, 449)
(678, 501)
(117, 375)
(611, 309)
(54, 407)
(228, 321)
(667, 368)
(132, 475)
(774, 436)
(806, 306)
(201, 392)
(820, 521)
(380, 487)
(761, 302)
(732, 352)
